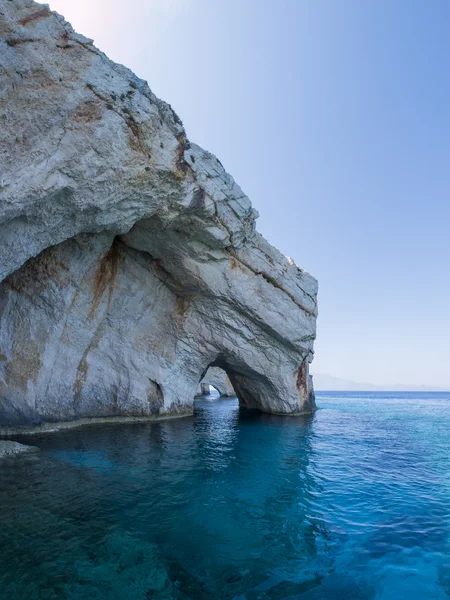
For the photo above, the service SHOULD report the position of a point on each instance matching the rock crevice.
(129, 259)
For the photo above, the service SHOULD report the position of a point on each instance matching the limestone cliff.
(129, 260)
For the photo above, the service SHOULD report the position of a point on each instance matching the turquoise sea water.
(350, 503)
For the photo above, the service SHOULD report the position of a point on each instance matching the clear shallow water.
(351, 503)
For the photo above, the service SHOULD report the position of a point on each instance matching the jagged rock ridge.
(129, 260)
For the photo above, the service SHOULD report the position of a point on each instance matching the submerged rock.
(8, 448)
(129, 260)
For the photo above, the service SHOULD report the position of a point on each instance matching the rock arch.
(217, 377)
(130, 262)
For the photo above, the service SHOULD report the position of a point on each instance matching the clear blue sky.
(334, 117)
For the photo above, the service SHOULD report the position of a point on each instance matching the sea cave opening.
(215, 383)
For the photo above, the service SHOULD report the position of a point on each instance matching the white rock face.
(129, 260)
(219, 379)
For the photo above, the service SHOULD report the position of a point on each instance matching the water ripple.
(352, 502)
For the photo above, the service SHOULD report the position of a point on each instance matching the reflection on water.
(352, 502)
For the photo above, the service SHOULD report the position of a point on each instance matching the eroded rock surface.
(129, 260)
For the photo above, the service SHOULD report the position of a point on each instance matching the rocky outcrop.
(129, 260)
(217, 378)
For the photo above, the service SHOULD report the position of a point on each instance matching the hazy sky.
(334, 117)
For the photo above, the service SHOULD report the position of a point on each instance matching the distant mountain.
(327, 382)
